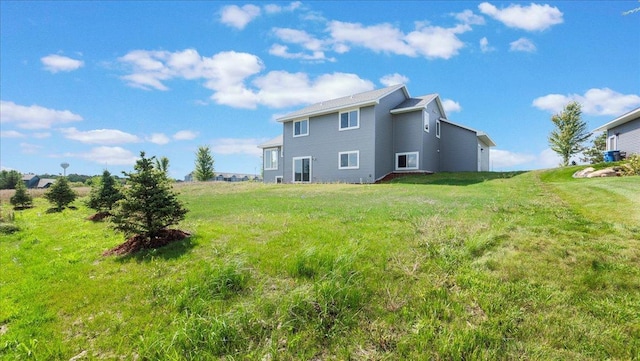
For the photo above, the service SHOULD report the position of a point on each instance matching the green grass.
(453, 266)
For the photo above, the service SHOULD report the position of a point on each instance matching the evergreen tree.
(149, 204)
(570, 132)
(162, 165)
(595, 154)
(21, 199)
(9, 179)
(60, 194)
(104, 193)
(204, 164)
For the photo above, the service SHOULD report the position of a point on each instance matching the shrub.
(104, 193)
(633, 166)
(21, 199)
(60, 194)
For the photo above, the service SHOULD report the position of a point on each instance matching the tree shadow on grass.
(455, 178)
(174, 246)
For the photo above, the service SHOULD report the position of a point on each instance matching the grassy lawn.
(450, 266)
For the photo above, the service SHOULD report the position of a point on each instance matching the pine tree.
(163, 165)
(149, 204)
(104, 193)
(60, 194)
(21, 199)
(204, 164)
(595, 154)
(570, 132)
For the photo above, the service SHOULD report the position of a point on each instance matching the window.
(349, 120)
(437, 128)
(302, 169)
(301, 128)
(425, 121)
(406, 161)
(271, 159)
(349, 160)
(278, 179)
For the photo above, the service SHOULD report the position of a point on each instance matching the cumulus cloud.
(99, 136)
(468, 17)
(227, 74)
(501, 159)
(484, 45)
(34, 116)
(451, 106)
(107, 156)
(393, 79)
(595, 101)
(28, 148)
(185, 135)
(315, 47)
(530, 18)
(238, 17)
(227, 146)
(55, 63)
(158, 138)
(522, 44)
(275, 9)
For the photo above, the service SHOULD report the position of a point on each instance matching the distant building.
(30, 180)
(228, 177)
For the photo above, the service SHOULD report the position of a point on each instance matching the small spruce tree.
(204, 164)
(60, 194)
(149, 204)
(21, 199)
(595, 154)
(104, 193)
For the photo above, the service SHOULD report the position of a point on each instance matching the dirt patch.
(99, 217)
(138, 243)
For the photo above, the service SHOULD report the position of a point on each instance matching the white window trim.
(293, 171)
(357, 152)
(438, 127)
(408, 168)
(278, 177)
(267, 151)
(301, 134)
(615, 142)
(425, 121)
(340, 128)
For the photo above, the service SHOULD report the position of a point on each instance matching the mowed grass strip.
(447, 266)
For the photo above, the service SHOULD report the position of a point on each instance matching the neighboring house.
(227, 177)
(364, 137)
(623, 133)
(45, 183)
(30, 180)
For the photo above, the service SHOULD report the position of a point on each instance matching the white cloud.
(56, 63)
(314, 46)
(548, 159)
(185, 135)
(282, 51)
(451, 106)
(227, 146)
(11, 134)
(468, 17)
(99, 136)
(437, 42)
(595, 101)
(28, 148)
(238, 17)
(501, 159)
(107, 156)
(531, 18)
(34, 116)
(393, 79)
(275, 9)
(158, 138)
(41, 135)
(523, 44)
(484, 45)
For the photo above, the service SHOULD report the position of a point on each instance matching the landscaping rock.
(583, 173)
(608, 172)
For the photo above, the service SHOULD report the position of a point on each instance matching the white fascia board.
(326, 111)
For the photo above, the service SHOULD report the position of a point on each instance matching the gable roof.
(484, 137)
(419, 103)
(624, 118)
(275, 142)
(356, 100)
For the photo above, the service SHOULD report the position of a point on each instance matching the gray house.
(623, 133)
(365, 137)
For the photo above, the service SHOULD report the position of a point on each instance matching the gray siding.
(325, 141)
(384, 153)
(407, 135)
(459, 150)
(483, 149)
(431, 149)
(628, 138)
(269, 176)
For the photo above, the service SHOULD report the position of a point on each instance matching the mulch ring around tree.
(98, 217)
(138, 242)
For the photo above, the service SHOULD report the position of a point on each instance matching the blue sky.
(94, 83)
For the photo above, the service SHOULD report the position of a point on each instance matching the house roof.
(413, 104)
(484, 137)
(28, 176)
(275, 142)
(624, 118)
(44, 182)
(356, 100)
